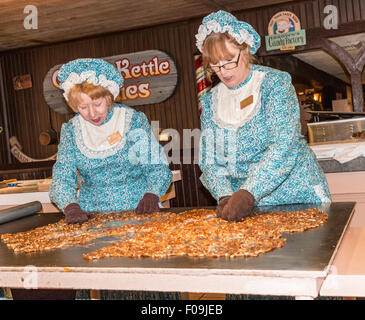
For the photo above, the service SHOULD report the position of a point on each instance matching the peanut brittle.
(194, 233)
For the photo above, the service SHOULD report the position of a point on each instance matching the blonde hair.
(93, 91)
(215, 49)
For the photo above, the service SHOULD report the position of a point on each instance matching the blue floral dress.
(258, 147)
(113, 177)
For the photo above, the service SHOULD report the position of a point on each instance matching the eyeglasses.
(226, 66)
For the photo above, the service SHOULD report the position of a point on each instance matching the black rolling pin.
(17, 212)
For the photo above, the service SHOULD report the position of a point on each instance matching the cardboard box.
(341, 105)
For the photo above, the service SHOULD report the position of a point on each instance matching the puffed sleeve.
(148, 153)
(214, 172)
(63, 190)
(282, 110)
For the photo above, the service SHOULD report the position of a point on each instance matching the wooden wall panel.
(362, 9)
(190, 192)
(26, 174)
(26, 171)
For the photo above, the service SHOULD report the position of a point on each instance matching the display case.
(336, 130)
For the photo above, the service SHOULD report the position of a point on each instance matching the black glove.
(222, 202)
(239, 206)
(74, 214)
(148, 204)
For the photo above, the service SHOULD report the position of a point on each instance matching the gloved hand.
(239, 206)
(222, 202)
(148, 204)
(74, 214)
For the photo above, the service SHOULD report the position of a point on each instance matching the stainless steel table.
(297, 269)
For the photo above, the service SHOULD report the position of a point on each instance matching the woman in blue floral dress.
(109, 147)
(252, 151)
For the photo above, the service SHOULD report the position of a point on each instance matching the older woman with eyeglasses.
(251, 149)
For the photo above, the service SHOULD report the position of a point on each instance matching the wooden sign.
(22, 82)
(283, 22)
(16, 148)
(149, 77)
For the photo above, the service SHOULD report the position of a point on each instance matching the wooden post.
(94, 294)
(354, 68)
(5, 115)
(357, 92)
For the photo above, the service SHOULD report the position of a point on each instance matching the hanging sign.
(22, 82)
(149, 77)
(285, 32)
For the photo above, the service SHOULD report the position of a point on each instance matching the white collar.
(227, 112)
(93, 140)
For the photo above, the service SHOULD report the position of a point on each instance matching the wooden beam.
(357, 91)
(353, 66)
(360, 59)
(299, 71)
(319, 39)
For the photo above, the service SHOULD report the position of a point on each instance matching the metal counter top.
(304, 260)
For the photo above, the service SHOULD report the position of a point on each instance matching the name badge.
(114, 138)
(246, 102)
